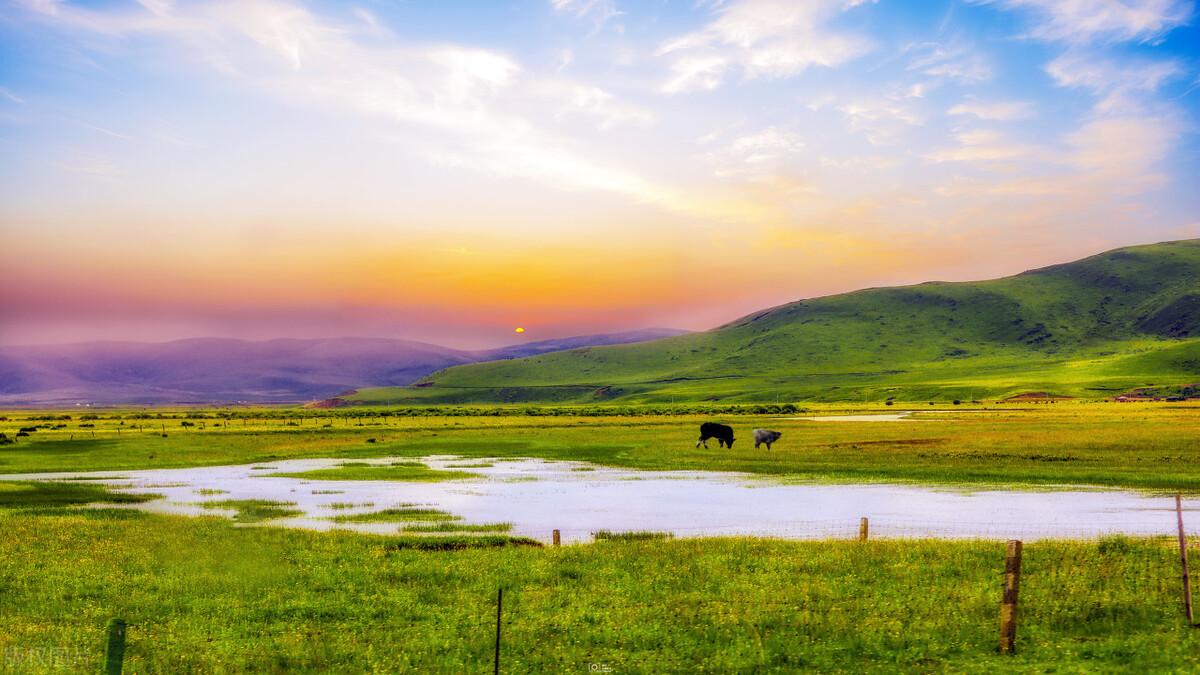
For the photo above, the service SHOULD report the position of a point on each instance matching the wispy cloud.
(956, 62)
(1118, 83)
(600, 11)
(983, 145)
(998, 111)
(1080, 21)
(758, 155)
(475, 96)
(8, 94)
(761, 39)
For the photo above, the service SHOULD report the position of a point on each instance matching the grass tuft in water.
(407, 471)
(397, 515)
(342, 506)
(633, 535)
(34, 494)
(459, 527)
(255, 510)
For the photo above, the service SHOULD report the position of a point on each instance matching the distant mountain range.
(1123, 321)
(217, 370)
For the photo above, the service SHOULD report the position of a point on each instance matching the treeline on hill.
(442, 411)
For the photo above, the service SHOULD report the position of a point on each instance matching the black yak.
(723, 434)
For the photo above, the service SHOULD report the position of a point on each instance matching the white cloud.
(600, 11)
(1107, 158)
(757, 154)
(471, 107)
(762, 38)
(861, 163)
(983, 146)
(1124, 151)
(692, 73)
(8, 94)
(597, 104)
(1119, 84)
(999, 111)
(956, 62)
(882, 119)
(1110, 20)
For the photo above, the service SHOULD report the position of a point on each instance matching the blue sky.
(447, 170)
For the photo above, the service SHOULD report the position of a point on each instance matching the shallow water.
(538, 496)
(875, 417)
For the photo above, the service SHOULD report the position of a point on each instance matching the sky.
(448, 171)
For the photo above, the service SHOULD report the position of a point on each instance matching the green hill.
(1106, 324)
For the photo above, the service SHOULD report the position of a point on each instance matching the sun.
(518, 329)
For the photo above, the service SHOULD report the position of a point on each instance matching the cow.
(765, 436)
(723, 434)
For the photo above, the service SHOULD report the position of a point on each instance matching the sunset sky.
(447, 171)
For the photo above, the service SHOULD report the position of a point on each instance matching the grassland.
(1150, 446)
(1092, 328)
(204, 596)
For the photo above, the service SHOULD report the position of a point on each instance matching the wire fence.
(880, 528)
(900, 604)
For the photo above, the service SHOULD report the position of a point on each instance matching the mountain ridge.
(1106, 323)
(223, 370)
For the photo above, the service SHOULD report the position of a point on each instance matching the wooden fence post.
(114, 648)
(862, 529)
(1008, 606)
(557, 539)
(499, 605)
(1187, 584)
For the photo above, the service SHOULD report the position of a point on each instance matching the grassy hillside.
(1098, 326)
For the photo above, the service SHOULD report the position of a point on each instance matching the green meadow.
(220, 594)
(202, 595)
(1138, 445)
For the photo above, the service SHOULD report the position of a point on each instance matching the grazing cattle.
(723, 434)
(765, 436)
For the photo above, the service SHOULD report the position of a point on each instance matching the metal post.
(499, 606)
(1187, 585)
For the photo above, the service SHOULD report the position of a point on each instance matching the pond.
(538, 496)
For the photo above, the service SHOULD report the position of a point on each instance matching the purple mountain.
(217, 370)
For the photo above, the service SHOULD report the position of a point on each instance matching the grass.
(255, 510)
(401, 471)
(32, 495)
(1139, 445)
(203, 596)
(396, 515)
